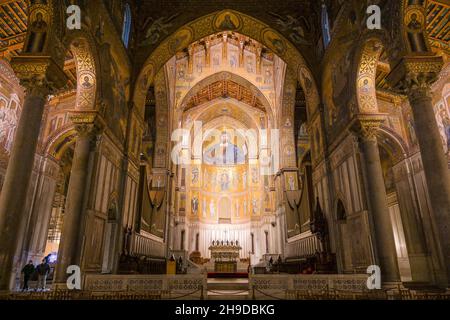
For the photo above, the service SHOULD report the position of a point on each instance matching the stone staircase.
(227, 289)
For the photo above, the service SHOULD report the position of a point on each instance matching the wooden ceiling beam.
(8, 2)
(20, 9)
(444, 3)
(6, 24)
(440, 26)
(434, 19)
(21, 25)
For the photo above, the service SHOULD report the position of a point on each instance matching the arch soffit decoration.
(367, 57)
(87, 63)
(83, 47)
(90, 54)
(206, 26)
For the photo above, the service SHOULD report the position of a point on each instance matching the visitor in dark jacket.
(27, 271)
(42, 270)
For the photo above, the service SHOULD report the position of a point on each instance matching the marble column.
(435, 165)
(418, 255)
(377, 200)
(14, 192)
(414, 76)
(69, 252)
(41, 211)
(40, 76)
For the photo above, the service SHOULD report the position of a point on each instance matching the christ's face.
(224, 138)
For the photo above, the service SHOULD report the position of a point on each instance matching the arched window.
(126, 25)
(341, 214)
(325, 26)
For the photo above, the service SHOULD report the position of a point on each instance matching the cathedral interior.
(199, 148)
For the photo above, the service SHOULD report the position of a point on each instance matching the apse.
(225, 90)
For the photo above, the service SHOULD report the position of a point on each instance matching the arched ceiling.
(168, 16)
(225, 89)
(225, 56)
(226, 67)
(155, 20)
(225, 107)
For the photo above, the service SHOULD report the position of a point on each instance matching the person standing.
(27, 271)
(42, 270)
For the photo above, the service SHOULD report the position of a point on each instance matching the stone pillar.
(41, 211)
(414, 76)
(419, 258)
(380, 219)
(40, 77)
(74, 218)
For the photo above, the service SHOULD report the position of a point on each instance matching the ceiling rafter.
(19, 22)
(225, 88)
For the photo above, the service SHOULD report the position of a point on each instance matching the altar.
(225, 256)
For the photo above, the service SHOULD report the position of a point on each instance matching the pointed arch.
(232, 77)
(203, 27)
(84, 50)
(341, 213)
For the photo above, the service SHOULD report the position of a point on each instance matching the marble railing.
(169, 286)
(146, 246)
(280, 286)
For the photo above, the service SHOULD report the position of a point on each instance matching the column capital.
(87, 123)
(367, 126)
(39, 76)
(414, 75)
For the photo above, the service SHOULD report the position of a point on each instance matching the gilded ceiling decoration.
(225, 89)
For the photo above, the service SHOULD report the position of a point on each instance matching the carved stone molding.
(39, 76)
(413, 76)
(366, 126)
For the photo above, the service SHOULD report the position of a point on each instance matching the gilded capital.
(413, 76)
(39, 76)
(87, 123)
(367, 126)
